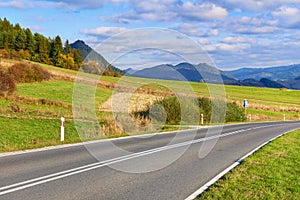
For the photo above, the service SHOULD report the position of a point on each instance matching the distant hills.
(281, 76)
(273, 73)
(210, 74)
(184, 72)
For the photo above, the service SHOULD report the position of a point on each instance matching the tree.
(1, 40)
(56, 49)
(68, 48)
(78, 60)
(42, 49)
(61, 60)
(29, 41)
(20, 41)
(6, 26)
(8, 40)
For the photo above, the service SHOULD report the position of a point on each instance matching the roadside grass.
(21, 134)
(271, 173)
(265, 115)
(15, 108)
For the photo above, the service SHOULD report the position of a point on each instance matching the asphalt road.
(160, 166)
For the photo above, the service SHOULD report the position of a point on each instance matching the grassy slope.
(61, 91)
(271, 173)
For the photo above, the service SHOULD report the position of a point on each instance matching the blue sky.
(235, 33)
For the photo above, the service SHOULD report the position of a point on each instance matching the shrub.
(234, 113)
(7, 84)
(26, 73)
(173, 107)
(174, 110)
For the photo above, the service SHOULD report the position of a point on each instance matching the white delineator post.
(62, 129)
(202, 119)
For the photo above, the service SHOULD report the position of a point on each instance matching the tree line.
(18, 42)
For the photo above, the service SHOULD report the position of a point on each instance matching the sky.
(234, 33)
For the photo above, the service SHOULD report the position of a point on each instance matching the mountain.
(293, 83)
(209, 74)
(186, 72)
(273, 73)
(89, 54)
(130, 71)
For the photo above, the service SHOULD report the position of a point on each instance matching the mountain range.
(273, 77)
(274, 73)
(184, 72)
(210, 74)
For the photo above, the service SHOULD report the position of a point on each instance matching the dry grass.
(129, 103)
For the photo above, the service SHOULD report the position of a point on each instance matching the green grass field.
(271, 173)
(41, 102)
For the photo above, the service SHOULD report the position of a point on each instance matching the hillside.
(89, 54)
(273, 73)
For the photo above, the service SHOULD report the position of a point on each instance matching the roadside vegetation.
(271, 173)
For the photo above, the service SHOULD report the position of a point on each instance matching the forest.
(20, 43)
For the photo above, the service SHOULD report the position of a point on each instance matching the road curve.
(98, 170)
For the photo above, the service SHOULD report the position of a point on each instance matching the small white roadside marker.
(62, 129)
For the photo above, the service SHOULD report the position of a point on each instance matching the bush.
(234, 113)
(173, 107)
(174, 110)
(26, 73)
(7, 84)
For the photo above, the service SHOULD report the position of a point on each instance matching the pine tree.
(30, 44)
(68, 48)
(20, 41)
(78, 60)
(56, 49)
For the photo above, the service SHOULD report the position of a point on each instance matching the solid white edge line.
(114, 139)
(228, 169)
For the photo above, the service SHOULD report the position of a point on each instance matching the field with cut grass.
(271, 173)
(45, 102)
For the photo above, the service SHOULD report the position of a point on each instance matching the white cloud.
(104, 31)
(21, 4)
(196, 30)
(213, 32)
(170, 10)
(36, 28)
(238, 39)
(64, 4)
(190, 29)
(203, 41)
(202, 12)
(254, 5)
(256, 30)
(252, 25)
(232, 48)
(287, 16)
